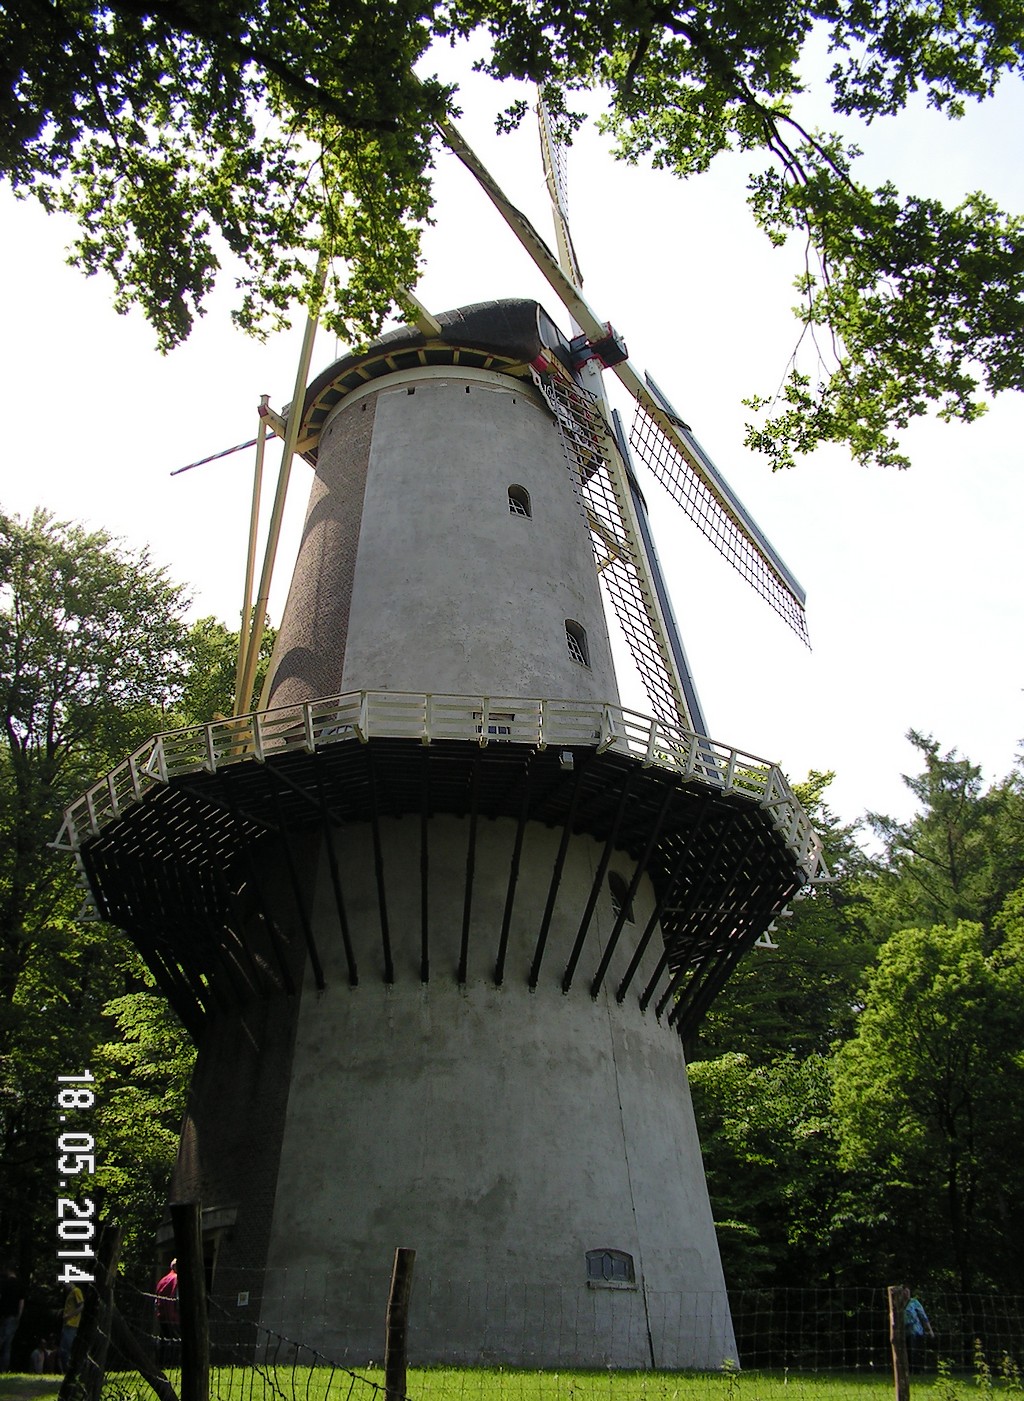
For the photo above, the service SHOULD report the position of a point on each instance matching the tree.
(854, 1108)
(959, 857)
(799, 997)
(208, 681)
(142, 1075)
(91, 637)
(175, 130)
(924, 1094)
(90, 634)
(94, 657)
(771, 1161)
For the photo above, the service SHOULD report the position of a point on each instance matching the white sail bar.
(673, 637)
(546, 261)
(555, 177)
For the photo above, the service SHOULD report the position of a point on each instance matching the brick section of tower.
(321, 590)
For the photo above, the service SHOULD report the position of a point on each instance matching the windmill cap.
(514, 330)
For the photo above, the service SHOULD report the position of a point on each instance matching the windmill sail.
(610, 511)
(673, 637)
(684, 467)
(623, 548)
(657, 436)
(618, 554)
(651, 631)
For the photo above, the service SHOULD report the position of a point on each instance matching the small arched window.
(620, 896)
(576, 641)
(519, 501)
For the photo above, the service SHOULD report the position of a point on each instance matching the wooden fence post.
(84, 1377)
(126, 1343)
(396, 1356)
(186, 1218)
(898, 1297)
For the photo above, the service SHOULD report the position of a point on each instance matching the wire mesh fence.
(847, 1330)
(788, 1342)
(340, 1315)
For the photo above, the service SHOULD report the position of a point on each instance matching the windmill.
(439, 913)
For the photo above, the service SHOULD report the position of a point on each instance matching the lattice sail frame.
(651, 438)
(587, 446)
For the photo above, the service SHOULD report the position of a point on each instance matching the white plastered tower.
(504, 1130)
(438, 918)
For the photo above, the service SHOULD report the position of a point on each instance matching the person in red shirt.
(167, 1316)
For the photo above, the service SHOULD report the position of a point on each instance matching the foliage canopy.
(927, 1086)
(960, 856)
(90, 636)
(173, 130)
(91, 649)
(861, 1077)
(94, 657)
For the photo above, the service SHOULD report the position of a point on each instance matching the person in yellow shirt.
(74, 1303)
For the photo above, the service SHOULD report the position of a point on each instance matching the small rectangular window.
(499, 723)
(610, 1269)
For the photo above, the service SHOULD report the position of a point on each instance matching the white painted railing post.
(257, 736)
(133, 769)
(652, 735)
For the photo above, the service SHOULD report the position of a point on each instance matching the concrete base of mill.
(537, 1149)
(504, 1167)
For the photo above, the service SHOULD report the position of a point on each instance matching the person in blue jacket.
(917, 1327)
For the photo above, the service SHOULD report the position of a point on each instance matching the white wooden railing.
(358, 716)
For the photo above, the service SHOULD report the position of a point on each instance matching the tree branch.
(304, 93)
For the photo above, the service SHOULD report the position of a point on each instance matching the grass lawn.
(441, 1384)
(511, 1384)
(20, 1386)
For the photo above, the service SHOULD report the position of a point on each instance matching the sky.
(913, 579)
